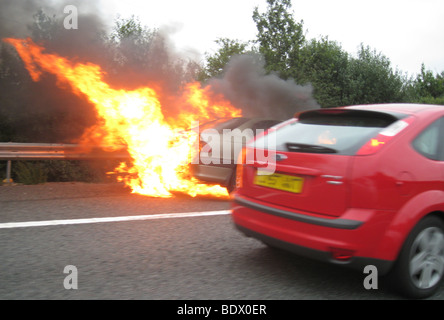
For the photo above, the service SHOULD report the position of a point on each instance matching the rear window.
(328, 131)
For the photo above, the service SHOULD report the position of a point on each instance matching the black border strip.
(331, 223)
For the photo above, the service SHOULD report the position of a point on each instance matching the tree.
(371, 79)
(139, 54)
(13, 88)
(130, 43)
(324, 64)
(44, 27)
(216, 63)
(429, 88)
(337, 78)
(280, 38)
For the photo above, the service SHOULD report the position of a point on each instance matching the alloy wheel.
(427, 258)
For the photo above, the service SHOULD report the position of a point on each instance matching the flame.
(160, 148)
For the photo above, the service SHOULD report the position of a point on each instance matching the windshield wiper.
(310, 148)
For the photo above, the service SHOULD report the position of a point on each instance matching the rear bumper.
(358, 231)
(220, 174)
(330, 223)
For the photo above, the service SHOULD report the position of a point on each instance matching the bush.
(431, 100)
(30, 172)
(81, 171)
(37, 172)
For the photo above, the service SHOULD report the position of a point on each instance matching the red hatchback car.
(357, 186)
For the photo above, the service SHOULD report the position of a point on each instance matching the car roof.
(244, 120)
(406, 108)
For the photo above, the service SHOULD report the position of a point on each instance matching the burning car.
(221, 141)
(136, 118)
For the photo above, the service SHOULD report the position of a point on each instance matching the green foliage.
(6, 130)
(130, 29)
(84, 171)
(429, 86)
(140, 54)
(324, 65)
(280, 38)
(431, 100)
(44, 27)
(30, 172)
(216, 63)
(337, 77)
(63, 171)
(372, 79)
(2, 171)
(130, 44)
(36, 172)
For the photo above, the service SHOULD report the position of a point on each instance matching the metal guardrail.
(43, 151)
(10, 151)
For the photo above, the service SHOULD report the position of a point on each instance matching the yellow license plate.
(279, 181)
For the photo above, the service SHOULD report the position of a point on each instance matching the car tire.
(232, 183)
(419, 270)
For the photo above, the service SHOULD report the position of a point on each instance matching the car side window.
(428, 141)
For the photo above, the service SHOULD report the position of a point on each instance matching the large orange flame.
(134, 118)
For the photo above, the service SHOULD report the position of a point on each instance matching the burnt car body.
(221, 141)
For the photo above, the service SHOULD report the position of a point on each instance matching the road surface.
(99, 241)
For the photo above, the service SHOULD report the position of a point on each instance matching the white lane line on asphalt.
(28, 224)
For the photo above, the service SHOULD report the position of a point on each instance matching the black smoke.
(247, 85)
(44, 111)
(43, 21)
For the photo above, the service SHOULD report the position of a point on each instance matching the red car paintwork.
(365, 205)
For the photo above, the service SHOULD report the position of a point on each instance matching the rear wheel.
(419, 270)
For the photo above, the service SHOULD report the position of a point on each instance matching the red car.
(356, 186)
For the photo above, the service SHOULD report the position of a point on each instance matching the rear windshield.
(327, 131)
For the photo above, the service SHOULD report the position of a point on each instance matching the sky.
(408, 32)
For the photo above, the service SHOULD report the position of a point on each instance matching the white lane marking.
(10, 225)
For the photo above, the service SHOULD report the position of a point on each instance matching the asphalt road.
(189, 258)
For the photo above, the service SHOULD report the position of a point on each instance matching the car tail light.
(376, 143)
(240, 167)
